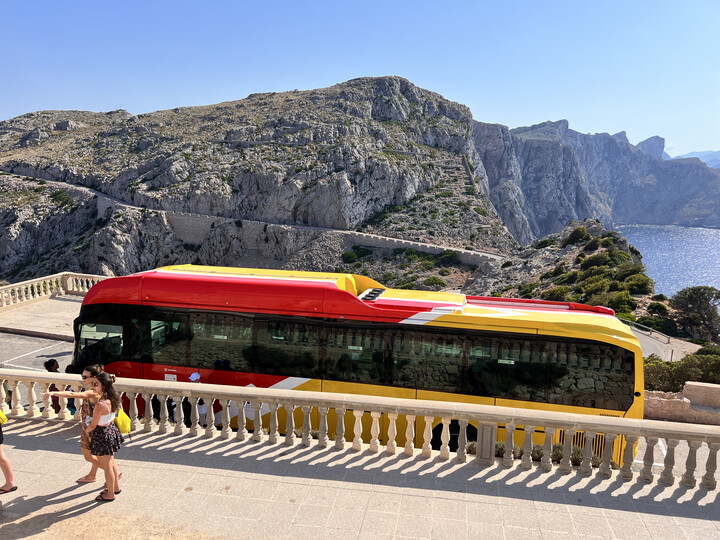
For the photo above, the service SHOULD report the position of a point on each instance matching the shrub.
(444, 272)
(579, 234)
(599, 259)
(618, 257)
(349, 257)
(517, 452)
(620, 301)
(557, 294)
(362, 251)
(547, 242)
(660, 298)
(570, 277)
(672, 376)
(433, 281)
(506, 264)
(499, 449)
(592, 245)
(526, 290)
(656, 308)
(537, 452)
(448, 257)
(626, 316)
(576, 456)
(638, 284)
(661, 324)
(594, 285)
(557, 453)
(626, 270)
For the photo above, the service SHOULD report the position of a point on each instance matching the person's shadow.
(14, 520)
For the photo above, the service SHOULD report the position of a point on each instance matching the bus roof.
(328, 294)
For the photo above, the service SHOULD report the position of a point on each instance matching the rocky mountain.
(300, 179)
(547, 175)
(711, 159)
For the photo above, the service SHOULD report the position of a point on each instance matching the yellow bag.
(122, 421)
(3, 418)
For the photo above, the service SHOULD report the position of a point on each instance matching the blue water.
(677, 257)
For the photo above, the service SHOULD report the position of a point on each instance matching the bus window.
(219, 341)
(99, 344)
(286, 348)
(169, 341)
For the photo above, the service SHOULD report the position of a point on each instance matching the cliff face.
(549, 174)
(373, 154)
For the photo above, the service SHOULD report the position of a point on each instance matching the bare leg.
(92, 475)
(7, 471)
(107, 468)
(116, 473)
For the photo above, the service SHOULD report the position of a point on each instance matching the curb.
(34, 333)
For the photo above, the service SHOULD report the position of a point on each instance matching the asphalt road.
(22, 352)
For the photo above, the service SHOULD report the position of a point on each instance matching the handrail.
(265, 403)
(47, 286)
(649, 331)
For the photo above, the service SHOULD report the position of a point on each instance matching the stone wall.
(698, 403)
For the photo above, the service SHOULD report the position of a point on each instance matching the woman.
(105, 439)
(89, 398)
(6, 468)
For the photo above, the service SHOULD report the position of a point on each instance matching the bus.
(346, 333)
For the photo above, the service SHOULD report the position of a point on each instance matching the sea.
(677, 257)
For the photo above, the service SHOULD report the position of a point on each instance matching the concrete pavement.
(198, 488)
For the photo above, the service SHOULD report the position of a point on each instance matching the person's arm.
(67, 394)
(97, 413)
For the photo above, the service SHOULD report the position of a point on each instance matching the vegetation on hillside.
(703, 366)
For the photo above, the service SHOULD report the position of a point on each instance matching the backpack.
(122, 421)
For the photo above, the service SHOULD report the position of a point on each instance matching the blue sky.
(644, 67)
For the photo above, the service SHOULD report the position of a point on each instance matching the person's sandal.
(84, 480)
(103, 499)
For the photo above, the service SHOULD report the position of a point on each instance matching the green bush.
(444, 272)
(661, 324)
(626, 270)
(547, 242)
(620, 301)
(618, 257)
(557, 294)
(557, 453)
(506, 264)
(526, 290)
(594, 285)
(638, 284)
(537, 452)
(579, 234)
(349, 257)
(576, 456)
(570, 277)
(599, 259)
(433, 281)
(592, 245)
(656, 308)
(362, 251)
(672, 376)
(626, 316)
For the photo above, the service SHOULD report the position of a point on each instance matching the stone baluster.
(586, 464)
(605, 467)
(148, 418)
(374, 431)
(307, 425)
(666, 477)
(410, 435)
(708, 479)
(427, 437)
(646, 472)
(3, 397)
(164, 425)
(257, 422)
(17, 408)
(210, 430)
(391, 445)
(48, 411)
(340, 429)
(626, 472)
(445, 438)
(357, 428)
(688, 477)
(546, 463)
(33, 409)
(527, 448)
(194, 417)
(273, 431)
(242, 431)
(134, 417)
(226, 429)
(290, 424)
(461, 454)
(509, 444)
(180, 428)
(64, 413)
(565, 464)
(323, 427)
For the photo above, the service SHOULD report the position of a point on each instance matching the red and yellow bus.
(347, 333)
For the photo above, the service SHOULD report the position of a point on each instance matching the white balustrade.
(47, 286)
(603, 436)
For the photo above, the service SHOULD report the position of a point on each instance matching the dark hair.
(94, 370)
(107, 380)
(50, 363)
(72, 368)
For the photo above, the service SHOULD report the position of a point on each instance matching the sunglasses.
(84, 377)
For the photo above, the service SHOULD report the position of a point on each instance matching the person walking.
(53, 367)
(105, 438)
(6, 468)
(89, 397)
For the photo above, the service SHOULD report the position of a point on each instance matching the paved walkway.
(51, 318)
(197, 488)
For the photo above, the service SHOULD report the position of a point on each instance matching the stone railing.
(47, 286)
(313, 410)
